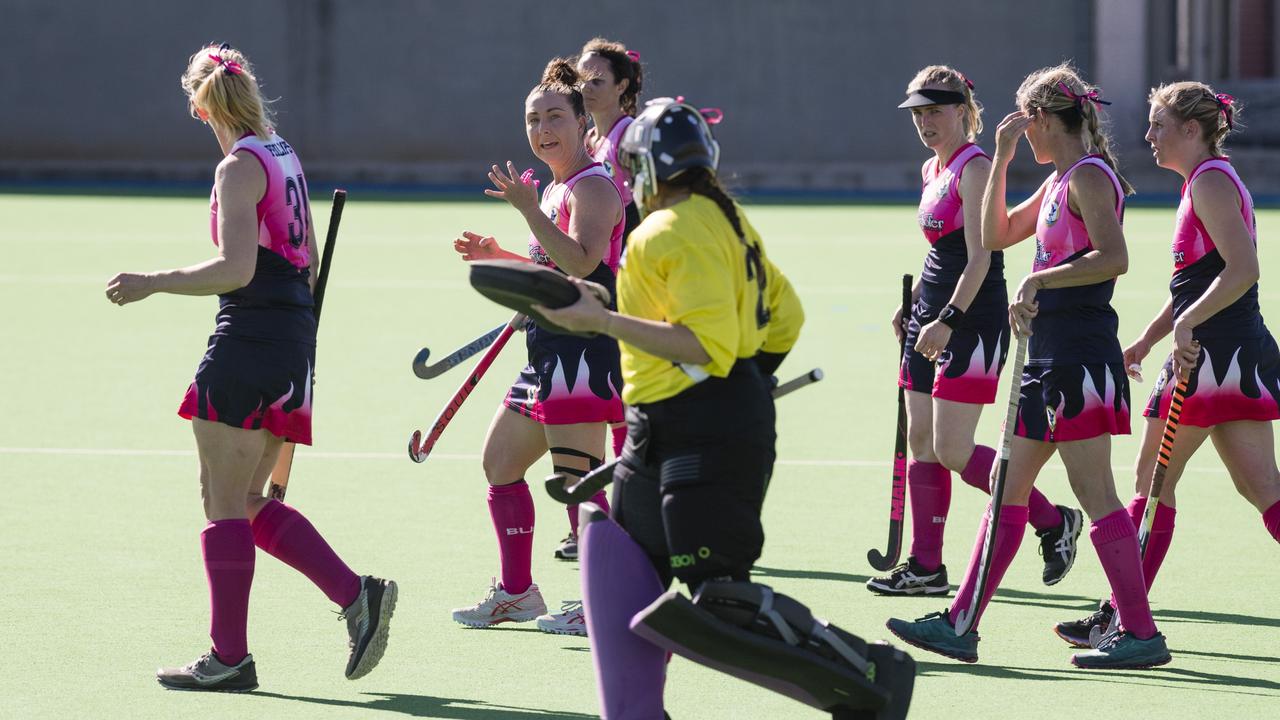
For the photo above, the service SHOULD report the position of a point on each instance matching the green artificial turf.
(101, 512)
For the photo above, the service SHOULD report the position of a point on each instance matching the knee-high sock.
(286, 534)
(511, 507)
(619, 439)
(1271, 519)
(600, 499)
(929, 485)
(227, 546)
(618, 581)
(977, 472)
(1013, 524)
(1158, 541)
(1116, 541)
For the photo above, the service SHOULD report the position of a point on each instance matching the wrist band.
(951, 316)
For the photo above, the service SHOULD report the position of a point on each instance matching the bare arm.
(1001, 228)
(239, 183)
(1217, 202)
(972, 185)
(595, 209)
(676, 343)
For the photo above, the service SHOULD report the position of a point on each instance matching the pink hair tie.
(635, 56)
(713, 116)
(1225, 102)
(967, 82)
(229, 66)
(1091, 96)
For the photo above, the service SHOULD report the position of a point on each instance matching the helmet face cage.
(644, 137)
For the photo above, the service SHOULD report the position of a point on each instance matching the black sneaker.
(1058, 545)
(910, 578)
(210, 674)
(368, 624)
(568, 548)
(1077, 632)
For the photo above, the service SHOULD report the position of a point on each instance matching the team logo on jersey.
(1161, 381)
(538, 255)
(1042, 256)
(554, 214)
(1179, 257)
(608, 167)
(929, 222)
(1051, 218)
(945, 186)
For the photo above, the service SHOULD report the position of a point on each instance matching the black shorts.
(968, 371)
(693, 475)
(1234, 379)
(1062, 403)
(568, 380)
(254, 384)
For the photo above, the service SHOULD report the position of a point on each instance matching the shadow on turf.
(1167, 676)
(427, 706)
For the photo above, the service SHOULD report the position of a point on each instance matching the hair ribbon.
(1091, 96)
(1225, 102)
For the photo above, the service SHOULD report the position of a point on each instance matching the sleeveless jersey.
(1075, 324)
(555, 205)
(1196, 262)
(277, 302)
(941, 219)
(606, 153)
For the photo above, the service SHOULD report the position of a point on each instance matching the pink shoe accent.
(511, 507)
(286, 534)
(227, 546)
(1116, 541)
(929, 488)
(1013, 525)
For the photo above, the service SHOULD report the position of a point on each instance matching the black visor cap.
(920, 98)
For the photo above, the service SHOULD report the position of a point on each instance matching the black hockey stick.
(596, 480)
(284, 461)
(426, 372)
(898, 499)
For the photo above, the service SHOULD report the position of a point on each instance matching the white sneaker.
(500, 606)
(569, 621)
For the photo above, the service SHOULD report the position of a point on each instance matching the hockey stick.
(419, 448)
(284, 461)
(966, 617)
(426, 372)
(898, 499)
(1162, 463)
(596, 480)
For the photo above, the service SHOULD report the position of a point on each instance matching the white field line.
(328, 455)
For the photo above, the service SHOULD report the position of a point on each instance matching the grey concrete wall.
(431, 91)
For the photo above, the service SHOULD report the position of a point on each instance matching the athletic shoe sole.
(560, 555)
(930, 648)
(481, 624)
(1127, 666)
(190, 688)
(1076, 517)
(1073, 642)
(562, 631)
(908, 592)
(378, 645)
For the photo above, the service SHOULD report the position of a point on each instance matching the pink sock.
(228, 564)
(511, 507)
(977, 472)
(930, 492)
(285, 534)
(619, 438)
(1116, 541)
(1271, 519)
(1159, 540)
(1013, 525)
(600, 499)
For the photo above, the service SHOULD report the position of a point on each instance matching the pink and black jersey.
(942, 221)
(1075, 324)
(1196, 262)
(277, 302)
(605, 152)
(555, 205)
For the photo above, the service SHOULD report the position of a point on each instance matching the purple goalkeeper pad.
(673, 622)
(618, 580)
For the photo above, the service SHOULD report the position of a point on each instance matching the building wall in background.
(432, 91)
